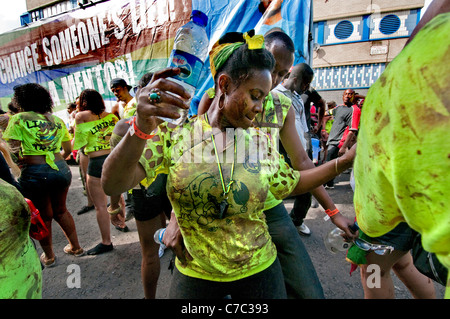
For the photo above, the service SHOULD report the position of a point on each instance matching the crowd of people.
(226, 220)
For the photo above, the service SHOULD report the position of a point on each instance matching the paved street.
(117, 274)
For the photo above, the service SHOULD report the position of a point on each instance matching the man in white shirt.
(297, 104)
(298, 82)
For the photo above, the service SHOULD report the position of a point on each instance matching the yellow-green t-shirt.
(114, 141)
(95, 135)
(238, 245)
(130, 108)
(402, 167)
(38, 134)
(270, 121)
(20, 268)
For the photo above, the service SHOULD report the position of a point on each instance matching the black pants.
(267, 284)
(333, 151)
(302, 203)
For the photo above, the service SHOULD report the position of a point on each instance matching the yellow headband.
(220, 52)
(254, 42)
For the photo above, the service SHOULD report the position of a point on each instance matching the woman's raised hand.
(154, 100)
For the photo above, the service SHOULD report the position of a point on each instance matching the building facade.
(41, 9)
(354, 40)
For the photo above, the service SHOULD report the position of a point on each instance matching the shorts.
(95, 165)
(40, 180)
(401, 237)
(146, 204)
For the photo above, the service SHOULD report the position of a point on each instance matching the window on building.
(389, 24)
(36, 15)
(343, 30)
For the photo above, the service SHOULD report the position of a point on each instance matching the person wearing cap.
(121, 91)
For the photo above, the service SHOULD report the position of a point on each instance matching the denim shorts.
(41, 179)
(401, 237)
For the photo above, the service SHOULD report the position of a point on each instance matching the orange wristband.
(331, 213)
(135, 130)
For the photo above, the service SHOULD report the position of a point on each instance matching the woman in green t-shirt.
(37, 137)
(93, 131)
(217, 183)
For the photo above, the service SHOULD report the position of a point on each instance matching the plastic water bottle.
(316, 149)
(158, 236)
(334, 242)
(189, 53)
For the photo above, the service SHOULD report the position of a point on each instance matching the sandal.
(47, 262)
(77, 253)
(100, 249)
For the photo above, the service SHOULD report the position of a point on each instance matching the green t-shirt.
(402, 167)
(20, 268)
(95, 135)
(238, 245)
(37, 134)
(114, 141)
(130, 108)
(270, 121)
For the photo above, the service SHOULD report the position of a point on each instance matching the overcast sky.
(10, 14)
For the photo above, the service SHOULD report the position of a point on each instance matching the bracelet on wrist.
(331, 213)
(134, 130)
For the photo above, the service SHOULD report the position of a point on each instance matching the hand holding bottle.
(161, 97)
(189, 53)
